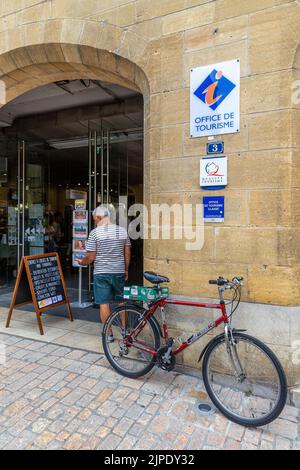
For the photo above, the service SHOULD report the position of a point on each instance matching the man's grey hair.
(101, 211)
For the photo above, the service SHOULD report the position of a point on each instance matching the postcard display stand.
(80, 235)
(40, 281)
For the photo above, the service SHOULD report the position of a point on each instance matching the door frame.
(99, 137)
(21, 200)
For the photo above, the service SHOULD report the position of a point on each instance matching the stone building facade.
(150, 46)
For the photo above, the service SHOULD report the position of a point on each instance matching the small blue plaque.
(214, 208)
(214, 148)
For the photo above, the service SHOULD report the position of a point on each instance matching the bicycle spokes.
(134, 341)
(244, 379)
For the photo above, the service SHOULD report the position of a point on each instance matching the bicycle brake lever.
(237, 281)
(228, 287)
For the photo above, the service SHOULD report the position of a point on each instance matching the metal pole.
(19, 203)
(90, 182)
(80, 287)
(102, 167)
(108, 165)
(23, 197)
(90, 200)
(80, 304)
(95, 168)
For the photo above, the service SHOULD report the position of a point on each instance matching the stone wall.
(276, 326)
(151, 46)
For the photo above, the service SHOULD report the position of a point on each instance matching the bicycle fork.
(233, 355)
(231, 347)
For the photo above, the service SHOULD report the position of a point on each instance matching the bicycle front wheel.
(254, 397)
(130, 342)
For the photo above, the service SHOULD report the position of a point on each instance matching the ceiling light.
(62, 82)
(115, 137)
(68, 144)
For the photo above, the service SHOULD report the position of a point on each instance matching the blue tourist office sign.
(213, 208)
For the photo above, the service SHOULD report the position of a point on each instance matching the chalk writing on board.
(40, 280)
(46, 281)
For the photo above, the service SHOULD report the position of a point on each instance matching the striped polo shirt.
(108, 241)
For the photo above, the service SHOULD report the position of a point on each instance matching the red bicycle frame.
(192, 339)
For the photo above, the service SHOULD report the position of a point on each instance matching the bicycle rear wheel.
(255, 398)
(132, 337)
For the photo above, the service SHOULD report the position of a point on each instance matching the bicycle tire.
(152, 325)
(257, 422)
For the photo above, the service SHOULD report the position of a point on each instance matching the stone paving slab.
(55, 397)
(57, 329)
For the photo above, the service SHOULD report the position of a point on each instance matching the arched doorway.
(29, 67)
(48, 131)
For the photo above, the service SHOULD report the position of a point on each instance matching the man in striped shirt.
(109, 248)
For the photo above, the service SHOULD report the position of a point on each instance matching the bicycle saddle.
(155, 278)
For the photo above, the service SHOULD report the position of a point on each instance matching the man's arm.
(127, 257)
(88, 259)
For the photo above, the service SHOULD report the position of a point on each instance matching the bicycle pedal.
(164, 363)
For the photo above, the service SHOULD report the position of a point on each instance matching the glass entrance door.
(116, 180)
(22, 206)
(99, 175)
(31, 201)
(8, 213)
(39, 182)
(99, 168)
(28, 185)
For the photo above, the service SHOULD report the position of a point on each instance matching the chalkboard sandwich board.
(40, 280)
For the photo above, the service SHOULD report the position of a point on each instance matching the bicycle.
(242, 376)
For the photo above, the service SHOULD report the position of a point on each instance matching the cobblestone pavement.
(52, 397)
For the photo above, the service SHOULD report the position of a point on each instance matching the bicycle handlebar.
(221, 281)
(218, 282)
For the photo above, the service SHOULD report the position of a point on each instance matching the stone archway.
(43, 51)
(106, 56)
(31, 66)
(42, 64)
(73, 49)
